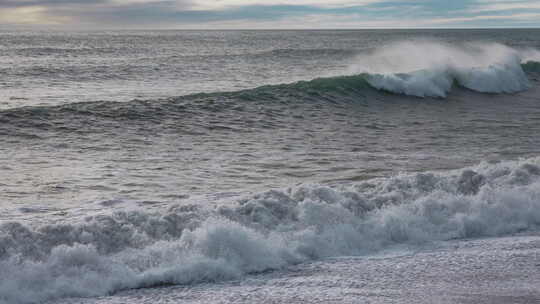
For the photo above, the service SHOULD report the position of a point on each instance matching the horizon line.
(52, 28)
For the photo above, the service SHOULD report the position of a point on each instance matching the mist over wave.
(430, 69)
(191, 244)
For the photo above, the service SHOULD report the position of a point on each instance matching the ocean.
(346, 166)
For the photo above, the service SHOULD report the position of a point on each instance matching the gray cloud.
(47, 3)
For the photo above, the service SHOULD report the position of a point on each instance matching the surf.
(431, 69)
(191, 244)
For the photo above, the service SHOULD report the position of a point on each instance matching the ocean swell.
(191, 244)
(437, 82)
(419, 69)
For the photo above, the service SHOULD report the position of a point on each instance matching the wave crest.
(429, 69)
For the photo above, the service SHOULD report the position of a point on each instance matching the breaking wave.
(429, 69)
(420, 69)
(191, 244)
(363, 88)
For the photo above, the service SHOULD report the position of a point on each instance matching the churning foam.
(271, 230)
(429, 69)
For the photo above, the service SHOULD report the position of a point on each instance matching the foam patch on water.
(429, 69)
(272, 230)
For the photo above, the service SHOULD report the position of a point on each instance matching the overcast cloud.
(219, 14)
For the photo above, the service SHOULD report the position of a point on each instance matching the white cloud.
(29, 15)
(485, 6)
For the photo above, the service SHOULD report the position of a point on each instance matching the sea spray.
(430, 69)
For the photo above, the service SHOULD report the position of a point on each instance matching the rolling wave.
(509, 75)
(431, 69)
(190, 244)
(497, 78)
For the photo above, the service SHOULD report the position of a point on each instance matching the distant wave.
(271, 230)
(431, 69)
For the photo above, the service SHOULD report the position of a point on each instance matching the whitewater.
(486, 68)
(275, 166)
(270, 231)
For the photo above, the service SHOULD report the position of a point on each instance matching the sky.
(268, 14)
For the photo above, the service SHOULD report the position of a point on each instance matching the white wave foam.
(428, 69)
(530, 55)
(267, 231)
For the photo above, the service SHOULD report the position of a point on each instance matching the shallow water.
(482, 271)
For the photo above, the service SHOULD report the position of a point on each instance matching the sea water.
(384, 166)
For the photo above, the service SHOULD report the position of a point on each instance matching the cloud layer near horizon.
(302, 14)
